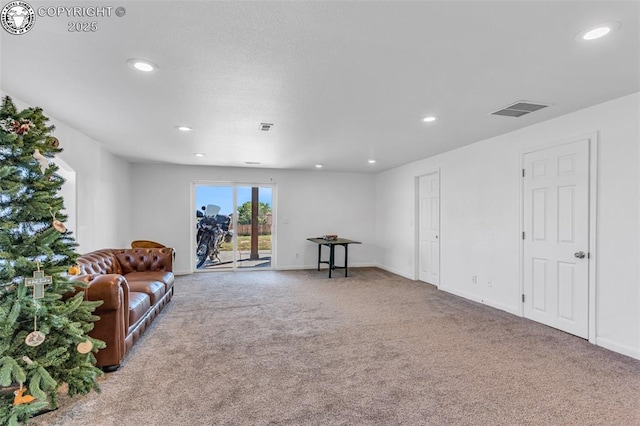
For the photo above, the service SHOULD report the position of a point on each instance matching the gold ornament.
(53, 141)
(74, 270)
(20, 398)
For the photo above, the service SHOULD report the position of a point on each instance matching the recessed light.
(318, 166)
(372, 161)
(598, 31)
(199, 154)
(429, 118)
(184, 128)
(143, 65)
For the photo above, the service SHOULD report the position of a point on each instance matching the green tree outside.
(244, 213)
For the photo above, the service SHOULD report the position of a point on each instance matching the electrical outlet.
(474, 279)
(489, 283)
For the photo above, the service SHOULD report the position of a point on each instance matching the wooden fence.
(246, 230)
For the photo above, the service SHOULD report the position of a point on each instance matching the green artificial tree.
(36, 248)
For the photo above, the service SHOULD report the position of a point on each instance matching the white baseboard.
(394, 271)
(299, 268)
(616, 347)
(487, 302)
(294, 267)
(315, 266)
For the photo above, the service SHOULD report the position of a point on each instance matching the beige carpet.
(297, 348)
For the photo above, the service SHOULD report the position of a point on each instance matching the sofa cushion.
(139, 304)
(154, 289)
(166, 277)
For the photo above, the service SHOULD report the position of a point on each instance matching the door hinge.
(523, 298)
(523, 235)
(588, 255)
(522, 172)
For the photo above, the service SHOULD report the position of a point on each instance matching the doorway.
(429, 228)
(558, 231)
(242, 218)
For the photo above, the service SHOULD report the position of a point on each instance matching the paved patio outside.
(226, 260)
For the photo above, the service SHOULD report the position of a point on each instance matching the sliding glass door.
(233, 226)
(254, 215)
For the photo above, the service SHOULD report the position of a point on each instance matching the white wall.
(480, 216)
(118, 202)
(308, 204)
(102, 188)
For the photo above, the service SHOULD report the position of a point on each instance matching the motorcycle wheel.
(201, 253)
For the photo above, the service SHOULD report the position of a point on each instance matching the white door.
(429, 229)
(556, 237)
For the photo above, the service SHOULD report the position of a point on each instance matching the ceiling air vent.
(519, 109)
(265, 127)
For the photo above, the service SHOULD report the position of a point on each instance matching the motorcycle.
(212, 232)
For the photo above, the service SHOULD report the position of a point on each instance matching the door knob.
(580, 255)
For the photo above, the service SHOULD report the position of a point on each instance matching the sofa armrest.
(111, 328)
(112, 289)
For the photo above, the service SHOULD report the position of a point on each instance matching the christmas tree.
(44, 319)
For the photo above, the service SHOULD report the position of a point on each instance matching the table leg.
(319, 255)
(331, 258)
(346, 249)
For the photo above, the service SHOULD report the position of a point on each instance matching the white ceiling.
(341, 81)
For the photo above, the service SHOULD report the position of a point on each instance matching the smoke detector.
(265, 127)
(520, 108)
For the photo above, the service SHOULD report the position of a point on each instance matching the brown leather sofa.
(135, 284)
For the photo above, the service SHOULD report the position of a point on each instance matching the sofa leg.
(110, 368)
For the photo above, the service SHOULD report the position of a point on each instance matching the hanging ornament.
(74, 270)
(53, 141)
(59, 226)
(44, 163)
(21, 128)
(85, 347)
(35, 338)
(20, 398)
(38, 282)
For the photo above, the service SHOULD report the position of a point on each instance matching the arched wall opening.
(68, 192)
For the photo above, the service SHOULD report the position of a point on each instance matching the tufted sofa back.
(144, 259)
(99, 262)
(124, 261)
